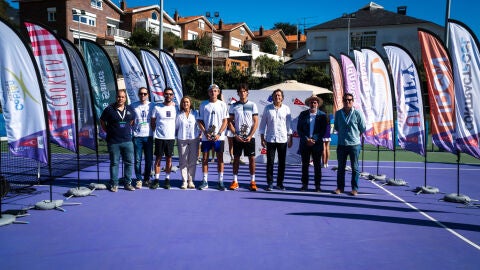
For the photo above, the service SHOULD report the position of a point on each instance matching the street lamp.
(216, 14)
(78, 13)
(349, 17)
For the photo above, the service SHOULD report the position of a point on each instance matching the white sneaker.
(184, 185)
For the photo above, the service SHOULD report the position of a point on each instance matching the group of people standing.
(133, 130)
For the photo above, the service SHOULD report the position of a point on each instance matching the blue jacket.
(303, 129)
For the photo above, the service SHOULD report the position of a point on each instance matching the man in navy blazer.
(311, 127)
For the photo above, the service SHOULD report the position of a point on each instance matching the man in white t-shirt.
(142, 137)
(212, 121)
(163, 126)
(243, 124)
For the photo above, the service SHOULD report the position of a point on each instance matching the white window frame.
(235, 42)
(98, 4)
(191, 35)
(87, 19)
(52, 14)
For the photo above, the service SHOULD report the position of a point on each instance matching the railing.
(209, 68)
(118, 33)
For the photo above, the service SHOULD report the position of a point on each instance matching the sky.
(308, 13)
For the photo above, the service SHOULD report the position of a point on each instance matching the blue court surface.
(384, 227)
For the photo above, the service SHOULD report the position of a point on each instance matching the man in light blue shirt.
(350, 124)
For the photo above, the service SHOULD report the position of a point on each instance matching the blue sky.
(307, 13)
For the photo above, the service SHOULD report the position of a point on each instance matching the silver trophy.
(211, 133)
(243, 131)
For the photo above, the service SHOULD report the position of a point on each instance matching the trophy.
(243, 131)
(211, 133)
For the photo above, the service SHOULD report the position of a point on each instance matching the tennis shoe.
(234, 185)
(253, 186)
(203, 185)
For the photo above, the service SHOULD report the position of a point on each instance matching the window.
(235, 42)
(320, 43)
(154, 16)
(192, 35)
(52, 14)
(363, 39)
(201, 24)
(85, 19)
(96, 4)
(242, 31)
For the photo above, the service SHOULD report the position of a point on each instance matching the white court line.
(430, 218)
(429, 168)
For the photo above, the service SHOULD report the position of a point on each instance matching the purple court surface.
(384, 227)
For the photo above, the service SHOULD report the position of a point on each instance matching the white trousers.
(187, 158)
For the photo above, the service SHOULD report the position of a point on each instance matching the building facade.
(370, 26)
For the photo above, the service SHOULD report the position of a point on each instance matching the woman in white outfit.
(188, 136)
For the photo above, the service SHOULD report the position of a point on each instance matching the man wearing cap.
(311, 127)
(212, 121)
(350, 124)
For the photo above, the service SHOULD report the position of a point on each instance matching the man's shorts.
(164, 147)
(248, 148)
(218, 146)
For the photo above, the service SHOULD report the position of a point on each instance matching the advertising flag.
(21, 98)
(337, 83)
(57, 82)
(132, 71)
(350, 79)
(83, 97)
(466, 71)
(438, 70)
(406, 81)
(172, 75)
(155, 75)
(102, 77)
(381, 100)
(365, 93)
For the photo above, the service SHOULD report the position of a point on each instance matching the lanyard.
(122, 115)
(347, 118)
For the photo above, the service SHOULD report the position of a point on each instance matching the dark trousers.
(307, 152)
(351, 151)
(281, 149)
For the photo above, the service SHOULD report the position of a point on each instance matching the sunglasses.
(143, 94)
(348, 100)
(167, 94)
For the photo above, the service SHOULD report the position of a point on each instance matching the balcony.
(118, 33)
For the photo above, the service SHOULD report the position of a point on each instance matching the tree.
(172, 41)
(4, 8)
(269, 66)
(314, 75)
(202, 44)
(268, 46)
(287, 28)
(143, 38)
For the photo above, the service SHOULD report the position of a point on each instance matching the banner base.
(50, 205)
(79, 192)
(7, 219)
